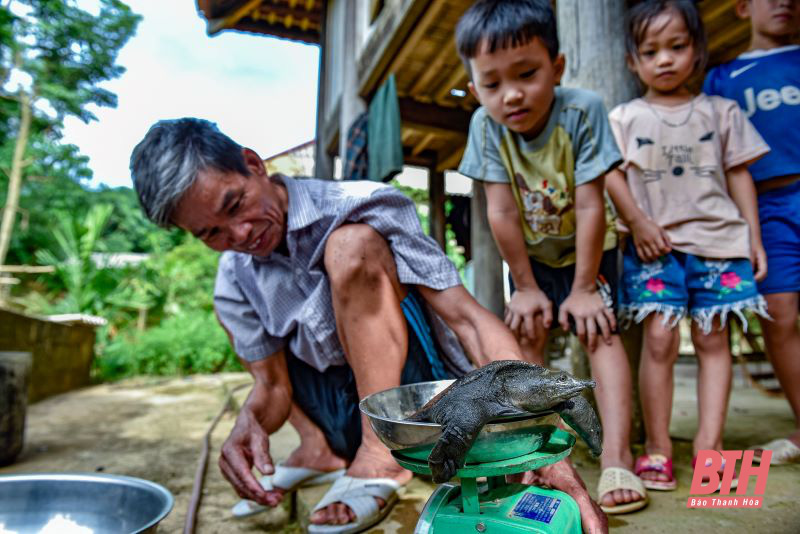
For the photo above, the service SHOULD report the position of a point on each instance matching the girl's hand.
(758, 257)
(651, 241)
(591, 317)
(524, 305)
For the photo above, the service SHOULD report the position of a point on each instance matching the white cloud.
(261, 91)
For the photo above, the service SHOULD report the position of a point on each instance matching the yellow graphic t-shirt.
(575, 147)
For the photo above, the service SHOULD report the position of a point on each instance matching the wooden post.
(436, 199)
(323, 163)
(592, 38)
(351, 104)
(487, 266)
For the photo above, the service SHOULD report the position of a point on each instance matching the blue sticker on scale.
(536, 507)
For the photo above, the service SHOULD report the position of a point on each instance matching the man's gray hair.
(165, 164)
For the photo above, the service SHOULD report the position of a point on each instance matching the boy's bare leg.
(659, 354)
(782, 337)
(533, 350)
(611, 371)
(366, 298)
(713, 385)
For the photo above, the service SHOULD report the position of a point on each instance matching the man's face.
(230, 211)
(516, 84)
(771, 18)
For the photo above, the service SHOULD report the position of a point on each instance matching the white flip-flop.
(784, 451)
(287, 478)
(358, 494)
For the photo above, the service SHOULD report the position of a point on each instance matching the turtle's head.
(548, 389)
(558, 386)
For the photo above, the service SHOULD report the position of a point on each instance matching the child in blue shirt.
(542, 152)
(765, 81)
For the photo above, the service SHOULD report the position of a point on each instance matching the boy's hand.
(522, 309)
(758, 257)
(590, 314)
(651, 241)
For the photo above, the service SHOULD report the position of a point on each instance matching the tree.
(53, 57)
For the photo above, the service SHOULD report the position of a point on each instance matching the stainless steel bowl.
(80, 503)
(500, 440)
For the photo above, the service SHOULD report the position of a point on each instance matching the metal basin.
(502, 439)
(80, 504)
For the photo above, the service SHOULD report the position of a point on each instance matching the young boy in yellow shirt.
(542, 152)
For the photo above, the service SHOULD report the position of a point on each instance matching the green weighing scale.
(483, 501)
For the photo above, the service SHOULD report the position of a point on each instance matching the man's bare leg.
(782, 337)
(366, 298)
(314, 451)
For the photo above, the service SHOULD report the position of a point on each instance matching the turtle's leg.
(450, 452)
(578, 413)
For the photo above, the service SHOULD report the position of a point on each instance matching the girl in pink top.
(687, 201)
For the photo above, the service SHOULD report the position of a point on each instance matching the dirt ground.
(153, 429)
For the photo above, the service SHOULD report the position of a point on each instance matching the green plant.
(192, 342)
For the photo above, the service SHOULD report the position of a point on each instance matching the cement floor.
(153, 429)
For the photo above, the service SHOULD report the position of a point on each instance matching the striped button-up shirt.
(268, 303)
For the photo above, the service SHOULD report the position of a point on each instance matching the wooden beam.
(423, 144)
(228, 21)
(28, 269)
(728, 36)
(420, 88)
(420, 29)
(433, 116)
(451, 161)
(391, 29)
(458, 77)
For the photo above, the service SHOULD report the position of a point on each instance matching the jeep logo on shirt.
(769, 99)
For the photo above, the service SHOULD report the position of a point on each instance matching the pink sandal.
(656, 463)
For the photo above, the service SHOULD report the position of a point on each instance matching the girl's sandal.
(656, 463)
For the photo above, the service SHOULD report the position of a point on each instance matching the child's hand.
(524, 305)
(650, 240)
(590, 315)
(758, 257)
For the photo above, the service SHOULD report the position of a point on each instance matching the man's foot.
(312, 455)
(370, 462)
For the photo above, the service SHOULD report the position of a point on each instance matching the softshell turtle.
(503, 388)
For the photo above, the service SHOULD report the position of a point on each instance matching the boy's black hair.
(503, 24)
(641, 15)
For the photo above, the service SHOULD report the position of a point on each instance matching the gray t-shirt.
(277, 301)
(575, 147)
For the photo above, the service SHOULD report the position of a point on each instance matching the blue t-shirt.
(766, 84)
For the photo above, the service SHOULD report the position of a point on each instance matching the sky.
(260, 90)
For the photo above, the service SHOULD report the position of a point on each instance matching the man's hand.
(248, 445)
(758, 257)
(590, 314)
(522, 309)
(651, 240)
(563, 477)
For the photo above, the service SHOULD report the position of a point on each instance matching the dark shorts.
(780, 231)
(330, 398)
(556, 283)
